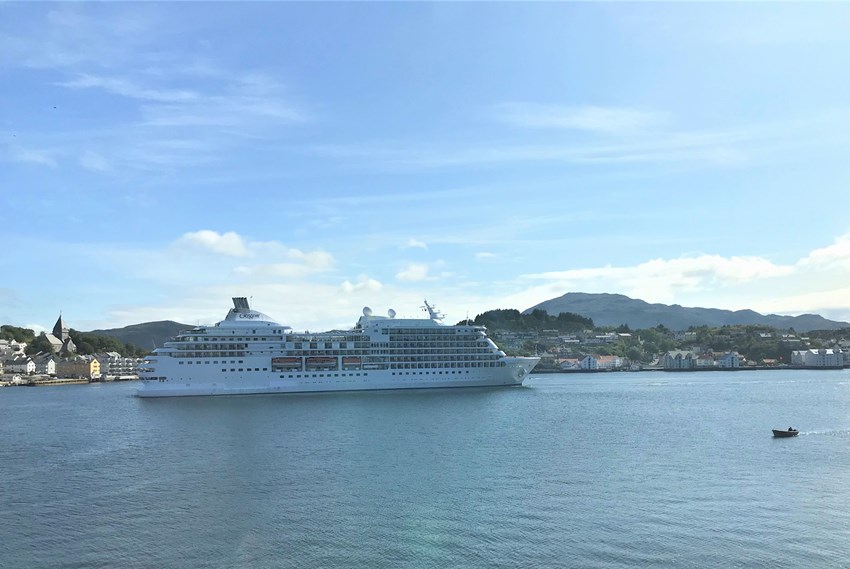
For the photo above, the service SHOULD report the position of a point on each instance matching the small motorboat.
(790, 432)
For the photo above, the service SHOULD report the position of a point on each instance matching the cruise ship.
(249, 353)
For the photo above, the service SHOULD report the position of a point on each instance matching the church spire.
(60, 330)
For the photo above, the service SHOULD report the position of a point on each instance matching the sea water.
(608, 470)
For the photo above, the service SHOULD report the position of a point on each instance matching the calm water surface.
(604, 470)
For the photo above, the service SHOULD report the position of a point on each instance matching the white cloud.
(485, 255)
(814, 284)
(830, 303)
(363, 283)
(413, 272)
(308, 263)
(416, 244)
(277, 261)
(230, 243)
(835, 255)
(316, 260)
(660, 280)
(301, 288)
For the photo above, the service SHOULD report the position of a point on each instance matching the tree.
(10, 333)
(537, 320)
(40, 344)
(634, 354)
(88, 343)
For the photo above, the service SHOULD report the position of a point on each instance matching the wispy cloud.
(248, 101)
(224, 111)
(715, 148)
(171, 128)
(125, 52)
(720, 147)
(608, 120)
(127, 88)
(40, 157)
(71, 36)
(94, 161)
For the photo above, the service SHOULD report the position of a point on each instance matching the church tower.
(63, 334)
(61, 331)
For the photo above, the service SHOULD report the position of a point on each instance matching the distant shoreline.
(661, 369)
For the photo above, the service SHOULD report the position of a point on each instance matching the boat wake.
(828, 432)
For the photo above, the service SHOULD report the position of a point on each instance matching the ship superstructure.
(249, 353)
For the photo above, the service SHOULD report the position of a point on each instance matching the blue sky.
(158, 158)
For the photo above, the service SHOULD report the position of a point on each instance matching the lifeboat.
(321, 363)
(286, 363)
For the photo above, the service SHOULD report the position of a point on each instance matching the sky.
(157, 159)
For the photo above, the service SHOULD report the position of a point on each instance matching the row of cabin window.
(214, 362)
(298, 375)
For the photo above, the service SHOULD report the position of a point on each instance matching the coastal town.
(60, 363)
(592, 351)
(57, 360)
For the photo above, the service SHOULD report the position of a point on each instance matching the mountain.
(148, 335)
(617, 309)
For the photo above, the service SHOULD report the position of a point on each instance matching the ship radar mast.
(432, 311)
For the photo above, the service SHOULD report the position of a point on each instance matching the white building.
(589, 362)
(729, 360)
(823, 358)
(609, 362)
(20, 364)
(45, 364)
(679, 359)
(608, 338)
(704, 361)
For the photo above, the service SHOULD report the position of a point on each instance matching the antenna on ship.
(432, 311)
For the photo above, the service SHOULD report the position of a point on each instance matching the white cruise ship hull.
(512, 373)
(249, 353)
